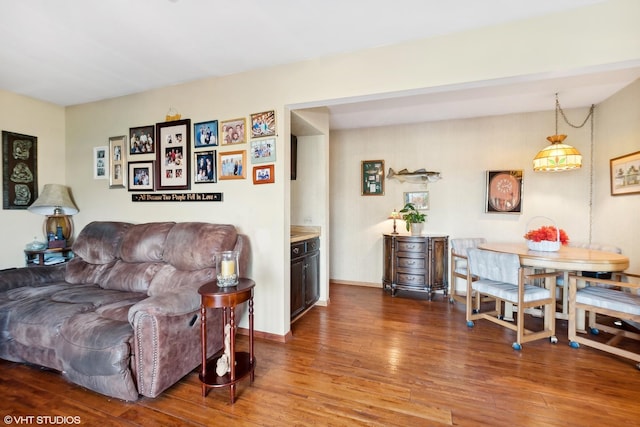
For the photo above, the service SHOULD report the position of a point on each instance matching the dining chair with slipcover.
(501, 277)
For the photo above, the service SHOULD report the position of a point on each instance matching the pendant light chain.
(559, 108)
(591, 114)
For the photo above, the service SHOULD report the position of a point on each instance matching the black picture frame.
(173, 155)
(204, 168)
(372, 177)
(141, 140)
(504, 191)
(205, 134)
(19, 170)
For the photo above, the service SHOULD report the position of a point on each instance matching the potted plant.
(413, 218)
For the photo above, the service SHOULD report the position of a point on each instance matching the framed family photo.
(141, 140)
(233, 131)
(141, 176)
(263, 150)
(232, 165)
(117, 147)
(205, 134)
(205, 166)
(625, 174)
(504, 192)
(372, 177)
(173, 154)
(263, 124)
(263, 174)
(100, 162)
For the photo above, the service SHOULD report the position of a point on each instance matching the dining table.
(565, 260)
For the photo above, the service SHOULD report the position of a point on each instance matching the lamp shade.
(557, 156)
(54, 196)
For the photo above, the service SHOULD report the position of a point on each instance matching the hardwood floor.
(370, 359)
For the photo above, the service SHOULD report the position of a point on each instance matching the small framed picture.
(19, 170)
(205, 166)
(625, 174)
(100, 162)
(233, 131)
(172, 157)
(231, 165)
(419, 199)
(504, 192)
(117, 147)
(141, 140)
(263, 150)
(372, 177)
(140, 176)
(263, 124)
(205, 134)
(263, 174)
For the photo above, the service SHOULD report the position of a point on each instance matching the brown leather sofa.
(122, 317)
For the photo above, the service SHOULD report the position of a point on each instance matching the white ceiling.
(75, 51)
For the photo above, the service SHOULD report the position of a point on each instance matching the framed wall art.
(205, 134)
(173, 154)
(141, 176)
(117, 154)
(101, 162)
(504, 191)
(263, 174)
(205, 166)
(141, 140)
(625, 174)
(19, 170)
(231, 165)
(263, 150)
(263, 124)
(419, 199)
(372, 177)
(233, 131)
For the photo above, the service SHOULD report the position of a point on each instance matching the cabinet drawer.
(411, 279)
(313, 245)
(411, 263)
(297, 249)
(412, 247)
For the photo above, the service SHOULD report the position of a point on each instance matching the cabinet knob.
(411, 246)
(296, 250)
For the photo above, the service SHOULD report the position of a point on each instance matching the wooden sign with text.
(177, 197)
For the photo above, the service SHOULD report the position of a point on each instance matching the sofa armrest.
(166, 342)
(31, 276)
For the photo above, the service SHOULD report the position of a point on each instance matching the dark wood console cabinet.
(415, 263)
(305, 275)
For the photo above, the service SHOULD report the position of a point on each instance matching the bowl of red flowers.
(547, 238)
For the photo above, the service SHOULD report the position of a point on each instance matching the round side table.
(241, 363)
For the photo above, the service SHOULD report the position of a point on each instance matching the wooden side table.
(241, 363)
(41, 257)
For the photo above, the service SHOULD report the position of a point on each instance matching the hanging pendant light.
(558, 156)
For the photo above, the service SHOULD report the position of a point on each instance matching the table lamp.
(394, 216)
(55, 202)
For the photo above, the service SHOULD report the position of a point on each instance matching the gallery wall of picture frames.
(173, 155)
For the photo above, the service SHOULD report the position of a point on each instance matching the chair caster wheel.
(501, 317)
(516, 346)
(638, 366)
(470, 323)
(554, 340)
(451, 301)
(594, 331)
(474, 311)
(574, 344)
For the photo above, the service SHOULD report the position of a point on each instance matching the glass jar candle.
(227, 268)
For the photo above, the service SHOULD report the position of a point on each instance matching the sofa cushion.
(145, 242)
(81, 272)
(99, 242)
(127, 276)
(193, 245)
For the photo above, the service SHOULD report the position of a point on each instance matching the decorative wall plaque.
(19, 170)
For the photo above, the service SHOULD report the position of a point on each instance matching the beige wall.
(45, 121)
(463, 150)
(578, 40)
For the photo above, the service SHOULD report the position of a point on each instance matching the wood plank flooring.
(370, 359)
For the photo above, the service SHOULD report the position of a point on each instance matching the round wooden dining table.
(567, 258)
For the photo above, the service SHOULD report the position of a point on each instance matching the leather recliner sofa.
(122, 317)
